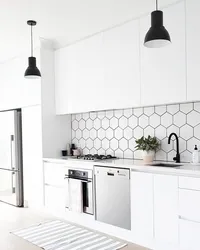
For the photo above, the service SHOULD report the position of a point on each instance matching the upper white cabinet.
(166, 211)
(122, 66)
(193, 49)
(101, 72)
(163, 71)
(142, 214)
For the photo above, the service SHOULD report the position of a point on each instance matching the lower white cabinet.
(55, 199)
(54, 174)
(142, 208)
(166, 211)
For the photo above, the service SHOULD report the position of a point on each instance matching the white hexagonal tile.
(119, 153)
(173, 109)
(101, 114)
(85, 116)
(160, 110)
(193, 118)
(128, 133)
(186, 156)
(82, 143)
(118, 113)
(166, 120)
(101, 133)
(179, 119)
(93, 151)
(114, 123)
(89, 143)
(86, 134)
(109, 152)
(182, 145)
(186, 107)
(109, 114)
(105, 144)
(82, 124)
(128, 154)
(105, 123)
(165, 146)
(148, 111)
(161, 155)
(148, 131)
(128, 112)
(86, 151)
(114, 144)
(101, 151)
(191, 144)
(197, 132)
(123, 122)
(138, 112)
(123, 144)
(78, 134)
(75, 141)
(173, 129)
(160, 132)
(138, 132)
(109, 133)
(118, 133)
(93, 115)
(75, 125)
(89, 124)
(138, 154)
(171, 155)
(197, 106)
(78, 117)
(97, 143)
(97, 123)
(154, 120)
(132, 144)
(93, 133)
(143, 121)
(186, 132)
(73, 134)
(133, 122)
(73, 117)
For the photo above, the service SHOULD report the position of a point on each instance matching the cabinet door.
(166, 210)
(193, 49)
(54, 174)
(55, 199)
(122, 66)
(142, 208)
(163, 70)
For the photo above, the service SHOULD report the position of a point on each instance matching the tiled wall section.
(114, 132)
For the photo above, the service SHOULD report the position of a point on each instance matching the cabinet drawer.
(54, 174)
(189, 204)
(189, 235)
(189, 183)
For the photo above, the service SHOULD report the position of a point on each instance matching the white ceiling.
(63, 21)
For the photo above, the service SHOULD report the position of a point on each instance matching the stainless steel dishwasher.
(112, 196)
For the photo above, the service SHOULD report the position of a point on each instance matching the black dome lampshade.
(32, 72)
(157, 36)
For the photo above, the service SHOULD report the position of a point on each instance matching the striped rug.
(58, 235)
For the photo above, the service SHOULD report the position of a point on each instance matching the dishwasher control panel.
(112, 172)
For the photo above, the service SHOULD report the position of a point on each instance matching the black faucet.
(177, 158)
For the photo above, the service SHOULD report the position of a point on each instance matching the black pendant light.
(32, 72)
(157, 36)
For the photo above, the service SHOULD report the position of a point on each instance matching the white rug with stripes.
(58, 235)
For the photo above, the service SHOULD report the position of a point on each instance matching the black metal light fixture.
(32, 72)
(157, 36)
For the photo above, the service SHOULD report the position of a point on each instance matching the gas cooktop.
(91, 157)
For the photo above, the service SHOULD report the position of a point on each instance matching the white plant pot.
(148, 156)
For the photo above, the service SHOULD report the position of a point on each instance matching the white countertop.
(186, 169)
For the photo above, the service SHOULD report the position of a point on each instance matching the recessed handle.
(111, 174)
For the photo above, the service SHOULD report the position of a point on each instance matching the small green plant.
(147, 144)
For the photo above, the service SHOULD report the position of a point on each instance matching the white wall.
(56, 130)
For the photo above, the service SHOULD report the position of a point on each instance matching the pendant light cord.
(31, 40)
(156, 4)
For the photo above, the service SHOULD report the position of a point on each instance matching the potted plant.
(149, 146)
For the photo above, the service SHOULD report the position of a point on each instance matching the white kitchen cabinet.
(193, 49)
(166, 211)
(163, 70)
(54, 174)
(142, 217)
(122, 66)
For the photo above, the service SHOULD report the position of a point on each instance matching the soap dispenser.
(195, 155)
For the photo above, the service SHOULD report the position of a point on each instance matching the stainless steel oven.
(87, 196)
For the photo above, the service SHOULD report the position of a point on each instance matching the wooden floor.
(12, 218)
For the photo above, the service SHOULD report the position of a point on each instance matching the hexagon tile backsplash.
(115, 131)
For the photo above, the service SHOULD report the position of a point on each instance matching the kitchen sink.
(166, 165)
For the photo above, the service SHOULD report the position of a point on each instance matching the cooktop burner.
(91, 157)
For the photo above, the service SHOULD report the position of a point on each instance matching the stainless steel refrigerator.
(11, 164)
